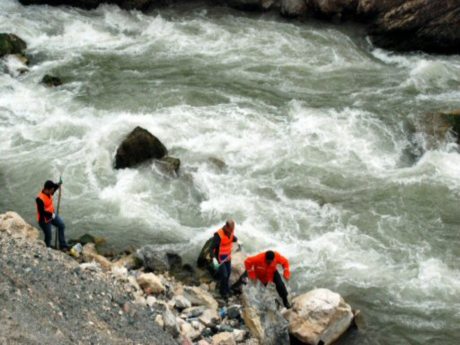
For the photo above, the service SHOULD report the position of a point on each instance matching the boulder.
(238, 267)
(435, 128)
(51, 81)
(294, 8)
(180, 302)
(90, 254)
(157, 259)
(336, 9)
(204, 258)
(11, 44)
(319, 317)
(12, 223)
(261, 315)
(15, 64)
(431, 26)
(139, 146)
(170, 323)
(198, 296)
(189, 331)
(150, 283)
(209, 318)
(223, 338)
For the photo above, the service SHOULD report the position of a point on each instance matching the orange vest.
(258, 268)
(226, 243)
(49, 207)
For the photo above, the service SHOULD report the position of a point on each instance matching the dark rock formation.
(432, 26)
(140, 145)
(204, 259)
(51, 81)
(11, 44)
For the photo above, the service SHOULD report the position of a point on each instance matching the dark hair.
(50, 185)
(269, 255)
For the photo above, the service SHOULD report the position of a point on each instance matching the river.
(313, 124)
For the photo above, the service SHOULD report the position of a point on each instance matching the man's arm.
(285, 263)
(214, 249)
(249, 266)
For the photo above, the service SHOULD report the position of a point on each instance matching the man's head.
(50, 187)
(229, 226)
(269, 256)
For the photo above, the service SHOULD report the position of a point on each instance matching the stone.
(234, 312)
(15, 64)
(209, 318)
(190, 332)
(128, 261)
(238, 267)
(151, 283)
(170, 323)
(261, 315)
(239, 335)
(293, 8)
(168, 165)
(159, 321)
(318, 317)
(11, 44)
(431, 26)
(223, 338)
(12, 223)
(90, 254)
(151, 300)
(204, 258)
(139, 146)
(198, 296)
(180, 302)
(193, 312)
(156, 259)
(203, 342)
(51, 81)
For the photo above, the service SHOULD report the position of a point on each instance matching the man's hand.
(215, 264)
(287, 275)
(53, 216)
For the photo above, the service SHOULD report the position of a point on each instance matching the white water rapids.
(310, 119)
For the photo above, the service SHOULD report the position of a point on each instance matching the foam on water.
(307, 121)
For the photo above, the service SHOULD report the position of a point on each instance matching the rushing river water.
(310, 119)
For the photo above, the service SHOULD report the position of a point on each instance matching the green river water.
(313, 124)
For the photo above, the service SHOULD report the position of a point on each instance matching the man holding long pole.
(46, 214)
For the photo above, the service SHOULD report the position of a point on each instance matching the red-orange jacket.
(257, 267)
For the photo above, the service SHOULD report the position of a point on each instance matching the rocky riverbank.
(431, 26)
(148, 297)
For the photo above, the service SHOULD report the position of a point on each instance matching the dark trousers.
(223, 274)
(46, 227)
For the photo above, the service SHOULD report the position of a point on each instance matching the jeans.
(46, 227)
(223, 273)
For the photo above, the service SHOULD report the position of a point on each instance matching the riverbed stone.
(209, 318)
(318, 317)
(168, 165)
(90, 254)
(261, 315)
(139, 146)
(11, 44)
(13, 223)
(51, 80)
(170, 323)
(180, 302)
(223, 338)
(150, 283)
(198, 296)
(293, 8)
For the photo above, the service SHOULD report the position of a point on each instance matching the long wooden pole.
(57, 213)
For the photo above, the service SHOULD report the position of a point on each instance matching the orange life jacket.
(48, 203)
(258, 268)
(226, 243)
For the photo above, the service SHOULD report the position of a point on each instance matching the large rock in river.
(139, 146)
(12, 223)
(319, 317)
(432, 26)
(11, 44)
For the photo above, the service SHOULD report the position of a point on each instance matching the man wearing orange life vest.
(221, 250)
(46, 214)
(263, 267)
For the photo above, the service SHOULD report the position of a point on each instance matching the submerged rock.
(139, 146)
(168, 165)
(11, 44)
(319, 317)
(51, 81)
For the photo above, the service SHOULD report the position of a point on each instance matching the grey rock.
(11, 44)
(139, 146)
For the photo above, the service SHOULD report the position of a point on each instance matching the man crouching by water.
(46, 215)
(221, 251)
